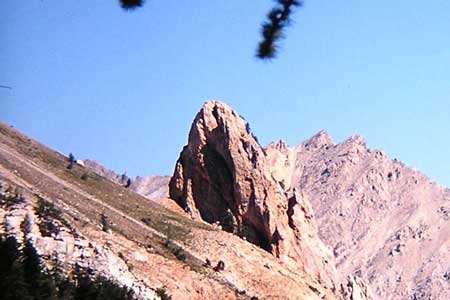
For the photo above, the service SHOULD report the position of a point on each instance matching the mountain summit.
(384, 221)
(224, 176)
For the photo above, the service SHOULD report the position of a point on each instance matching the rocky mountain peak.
(355, 143)
(281, 145)
(223, 176)
(219, 143)
(378, 215)
(319, 140)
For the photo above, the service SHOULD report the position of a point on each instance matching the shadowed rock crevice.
(219, 190)
(254, 236)
(290, 211)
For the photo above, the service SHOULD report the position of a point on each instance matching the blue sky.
(123, 88)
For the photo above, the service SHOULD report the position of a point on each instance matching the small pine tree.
(162, 293)
(26, 225)
(105, 223)
(47, 288)
(66, 287)
(229, 222)
(128, 184)
(71, 160)
(13, 285)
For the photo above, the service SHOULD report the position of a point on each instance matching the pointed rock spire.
(223, 170)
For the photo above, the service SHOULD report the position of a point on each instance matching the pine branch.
(131, 4)
(273, 28)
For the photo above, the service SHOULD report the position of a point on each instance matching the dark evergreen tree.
(40, 281)
(105, 223)
(31, 263)
(128, 184)
(71, 160)
(66, 287)
(9, 252)
(14, 286)
(85, 288)
(46, 287)
(23, 276)
(12, 278)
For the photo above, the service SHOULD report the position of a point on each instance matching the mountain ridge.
(370, 210)
(385, 224)
(162, 250)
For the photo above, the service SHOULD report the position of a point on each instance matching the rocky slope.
(152, 187)
(385, 222)
(314, 221)
(62, 244)
(223, 176)
(148, 248)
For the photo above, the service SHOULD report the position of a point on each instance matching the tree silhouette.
(23, 276)
(13, 284)
(40, 281)
(131, 4)
(71, 160)
(272, 29)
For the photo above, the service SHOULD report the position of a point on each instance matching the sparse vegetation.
(26, 225)
(162, 293)
(128, 184)
(147, 221)
(229, 222)
(179, 253)
(12, 196)
(105, 223)
(159, 217)
(71, 160)
(49, 215)
(73, 191)
(220, 266)
(248, 232)
(23, 276)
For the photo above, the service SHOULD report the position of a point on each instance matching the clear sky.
(123, 88)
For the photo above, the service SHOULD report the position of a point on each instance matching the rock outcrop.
(223, 176)
(356, 289)
(152, 187)
(59, 244)
(156, 252)
(386, 222)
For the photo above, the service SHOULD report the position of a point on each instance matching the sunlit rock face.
(384, 221)
(223, 175)
(78, 220)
